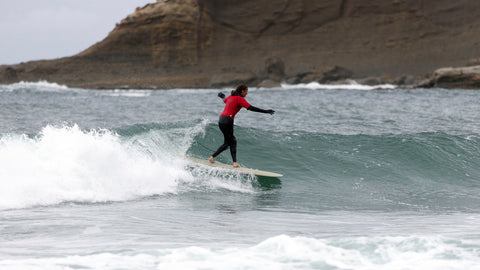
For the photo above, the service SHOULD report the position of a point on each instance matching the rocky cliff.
(205, 43)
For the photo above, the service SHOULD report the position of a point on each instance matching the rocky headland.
(211, 43)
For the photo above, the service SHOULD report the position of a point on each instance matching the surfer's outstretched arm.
(255, 109)
(221, 95)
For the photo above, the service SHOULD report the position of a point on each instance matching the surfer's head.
(242, 90)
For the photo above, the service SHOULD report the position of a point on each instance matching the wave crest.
(68, 164)
(42, 86)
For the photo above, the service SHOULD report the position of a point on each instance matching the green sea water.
(374, 178)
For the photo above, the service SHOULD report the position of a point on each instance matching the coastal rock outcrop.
(459, 77)
(211, 43)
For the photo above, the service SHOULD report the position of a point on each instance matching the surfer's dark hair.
(239, 89)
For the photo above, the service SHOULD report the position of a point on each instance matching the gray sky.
(47, 29)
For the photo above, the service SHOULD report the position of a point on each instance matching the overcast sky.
(47, 29)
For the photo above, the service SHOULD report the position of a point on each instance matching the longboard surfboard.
(230, 167)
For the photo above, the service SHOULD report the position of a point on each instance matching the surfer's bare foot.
(235, 165)
(211, 159)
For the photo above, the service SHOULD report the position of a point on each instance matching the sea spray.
(68, 164)
(40, 86)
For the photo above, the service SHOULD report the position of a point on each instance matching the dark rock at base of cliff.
(268, 84)
(305, 77)
(232, 79)
(454, 78)
(336, 74)
(371, 81)
(404, 80)
(9, 75)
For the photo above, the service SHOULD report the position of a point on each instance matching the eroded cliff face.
(163, 34)
(204, 43)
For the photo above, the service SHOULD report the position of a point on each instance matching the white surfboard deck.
(230, 167)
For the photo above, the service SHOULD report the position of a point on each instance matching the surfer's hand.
(270, 111)
(221, 95)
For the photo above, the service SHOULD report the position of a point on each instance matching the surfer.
(233, 104)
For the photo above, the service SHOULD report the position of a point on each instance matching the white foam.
(68, 164)
(212, 179)
(197, 91)
(65, 164)
(126, 93)
(283, 252)
(38, 86)
(352, 85)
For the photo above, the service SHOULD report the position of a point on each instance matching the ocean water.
(374, 178)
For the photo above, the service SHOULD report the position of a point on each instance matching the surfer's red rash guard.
(233, 104)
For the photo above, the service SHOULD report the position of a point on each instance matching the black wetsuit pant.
(226, 126)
